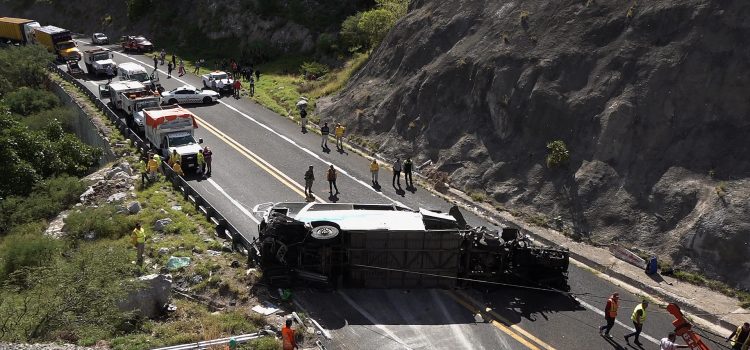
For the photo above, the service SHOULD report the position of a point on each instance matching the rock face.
(150, 300)
(651, 100)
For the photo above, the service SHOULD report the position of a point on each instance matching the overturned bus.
(389, 246)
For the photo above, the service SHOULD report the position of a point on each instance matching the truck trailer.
(171, 128)
(17, 30)
(58, 41)
(131, 97)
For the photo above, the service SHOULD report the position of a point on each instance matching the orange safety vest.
(287, 338)
(611, 308)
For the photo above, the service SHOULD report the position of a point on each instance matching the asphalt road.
(260, 157)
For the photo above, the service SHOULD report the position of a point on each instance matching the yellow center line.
(260, 162)
(505, 329)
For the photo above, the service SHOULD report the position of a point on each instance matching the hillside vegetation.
(611, 121)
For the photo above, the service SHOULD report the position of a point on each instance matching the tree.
(375, 24)
(23, 66)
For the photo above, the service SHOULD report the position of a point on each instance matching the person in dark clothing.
(638, 317)
(331, 176)
(169, 70)
(740, 338)
(156, 62)
(309, 178)
(407, 173)
(324, 131)
(174, 60)
(257, 74)
(252, 85)
(610, 314)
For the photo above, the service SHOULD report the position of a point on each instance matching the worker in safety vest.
(174, 157)
(138, 239)
(339, 133)
(153, 166)
(638, 317)
(287, 336)
(157, 159)
(740, 338)
(610, 314)
(178, 169)
(201, 162)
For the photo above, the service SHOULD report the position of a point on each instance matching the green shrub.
(263, 343)
(103, 221)
(29, 69)
(557, 153)
(41, 120)
(26, 101)
(313, 70)
(26, 250)
(46, 200)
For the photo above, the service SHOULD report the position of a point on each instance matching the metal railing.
(224, 229)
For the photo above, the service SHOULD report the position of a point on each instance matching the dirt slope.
(650, 97)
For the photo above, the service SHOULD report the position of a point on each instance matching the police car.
(189, 94)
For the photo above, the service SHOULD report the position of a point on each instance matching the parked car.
(99, 39)
(218, 81)
(189, 94)
(136, 43)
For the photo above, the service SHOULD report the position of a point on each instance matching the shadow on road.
(515, 304)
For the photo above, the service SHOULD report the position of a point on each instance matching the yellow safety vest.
(201, 158)
(139, 236)
(157, 158)
(152, 165)
(634, 317)
(174, 157)
(374, 167)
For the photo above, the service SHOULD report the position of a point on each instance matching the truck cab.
(58, 41)
(98, 60)
(136, 72)
(171, 128)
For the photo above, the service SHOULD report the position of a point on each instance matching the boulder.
(163, 251)
(160, 224)
(149, 301)
(134, 207)
(116, 197)
(86, 194)
(126, 168)
(114, 172)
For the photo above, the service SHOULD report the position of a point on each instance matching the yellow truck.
(17, 30)
(58, 41)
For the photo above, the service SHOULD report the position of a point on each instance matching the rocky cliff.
(651, 98)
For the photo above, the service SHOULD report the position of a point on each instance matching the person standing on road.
(408, 180)
(610, 314)
(740, 338)
(287, 336)
(339, 133)
(163, 56)
(174, 60)
(207, 155)
(169, 70)
(251, 81)
(181, 69)
(197, 69)
(156, 62)
(396, 173)
(374, 169)
(309, 179)
(668, 343)
(638, 317)
(201, 160)
(110, 73)
(331, 176)
(237, 87)
(138, 238)
(324, 131)
(303, 120)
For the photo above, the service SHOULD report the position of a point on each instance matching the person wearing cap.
(610, 314)
(309, 179)
(668, 343)
(638, 317)
(287, 336)
(740, 338)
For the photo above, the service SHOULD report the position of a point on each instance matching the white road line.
(601, 313)
(374, 321)
(455, 328)
(233, 201)
(283, 137)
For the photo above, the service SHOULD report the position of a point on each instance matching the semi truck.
(58, 41)
(17, 30)
(98, 60)
(131, 97)
(171, 128)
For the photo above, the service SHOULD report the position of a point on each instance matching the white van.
(134, 71)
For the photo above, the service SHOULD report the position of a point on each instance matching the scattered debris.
(150, 301)
(177, 262)
(270, 309)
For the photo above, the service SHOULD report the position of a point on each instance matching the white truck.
(218, 81)
(130, 97)
(98, 60)
(171, 128)
(134, 71)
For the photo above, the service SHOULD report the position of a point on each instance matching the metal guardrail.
(223, 227)
(212, 343)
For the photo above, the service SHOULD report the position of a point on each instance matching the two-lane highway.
(261, 157)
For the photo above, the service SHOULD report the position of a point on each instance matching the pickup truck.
(218, 81)
(136, 43)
